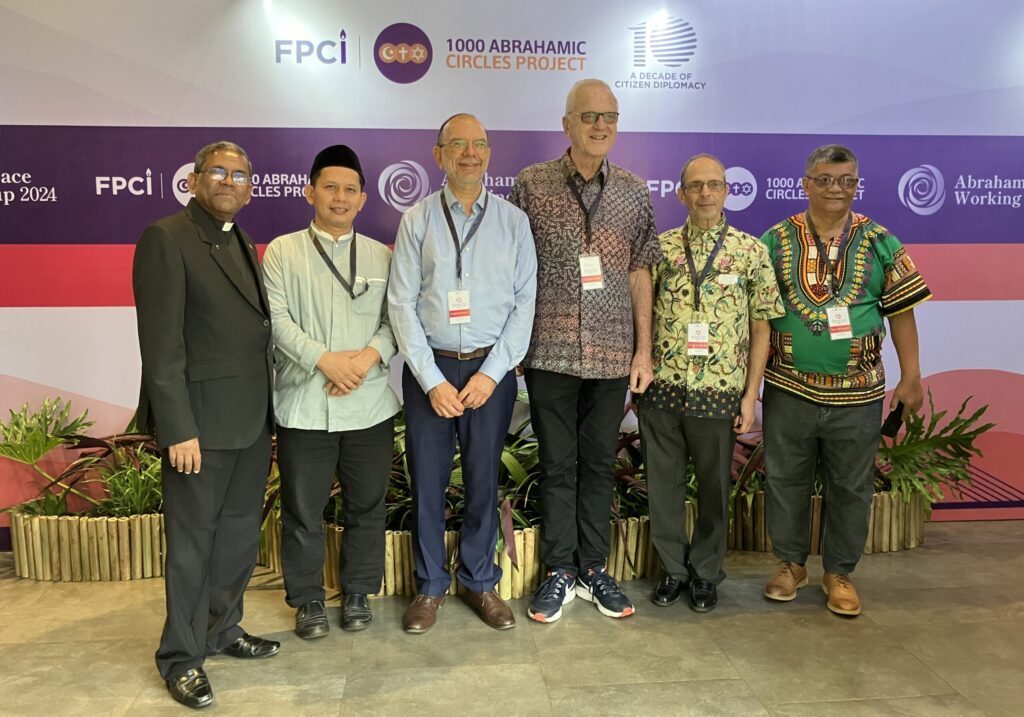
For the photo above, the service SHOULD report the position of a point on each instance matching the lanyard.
(698, 279)
(455, 234)
(830, 268)
(588, 214)
(347, 285)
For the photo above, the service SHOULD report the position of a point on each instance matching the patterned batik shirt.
(739, 288)
(876, 278)
(588, 334)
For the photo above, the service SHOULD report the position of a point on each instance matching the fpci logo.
(742, 188)
(922, 190)
(402, 53)
(402, 184)
(179, 185)
(670, 40)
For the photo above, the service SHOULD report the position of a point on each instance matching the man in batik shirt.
(840, 273)
(710, 347)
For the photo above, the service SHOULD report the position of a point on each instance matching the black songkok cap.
(338, 155)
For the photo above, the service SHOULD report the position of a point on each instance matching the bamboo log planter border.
(73, 548)
(894, 525)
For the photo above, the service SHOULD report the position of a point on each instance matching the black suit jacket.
(207, 355)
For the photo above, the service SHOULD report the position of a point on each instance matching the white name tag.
(839, 323)
(697, 338)
(728, 279)
(458, 307)
(590, 273)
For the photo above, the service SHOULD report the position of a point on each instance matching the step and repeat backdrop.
(103, 105)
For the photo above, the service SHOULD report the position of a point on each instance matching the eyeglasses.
(847, 181)
(715, 185)
(461, 145)
(591, 117)
(219, 174)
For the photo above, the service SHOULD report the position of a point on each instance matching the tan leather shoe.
(491, 609)
(421, 614)
(842, 596)
(789, 577)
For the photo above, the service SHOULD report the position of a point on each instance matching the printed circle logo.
(922, 190)
(742, 188)
(402, 53)
(674, 42)
(403, 184)
(179, 185)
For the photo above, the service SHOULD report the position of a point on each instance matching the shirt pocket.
(371, 292)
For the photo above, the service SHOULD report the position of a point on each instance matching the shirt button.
(266, 322)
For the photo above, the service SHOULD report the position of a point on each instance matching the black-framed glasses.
(219, 174)
(461, 145)
(695, 187)
(847, 181)
(591, 117)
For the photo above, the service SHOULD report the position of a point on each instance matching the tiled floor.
(942, 634)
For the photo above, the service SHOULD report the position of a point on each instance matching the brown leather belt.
(478, 353)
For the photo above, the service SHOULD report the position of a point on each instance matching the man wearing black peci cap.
(327, 286)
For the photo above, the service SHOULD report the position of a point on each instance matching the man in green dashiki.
(710, 347)
(840, 273)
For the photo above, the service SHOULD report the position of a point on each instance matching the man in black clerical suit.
(207, 361)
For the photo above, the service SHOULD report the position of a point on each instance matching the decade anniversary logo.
(660, 45)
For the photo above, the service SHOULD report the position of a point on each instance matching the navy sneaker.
(600, 588)
(555, 591)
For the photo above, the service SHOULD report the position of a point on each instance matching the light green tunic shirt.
(312, 313)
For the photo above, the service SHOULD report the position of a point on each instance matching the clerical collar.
(227, 226)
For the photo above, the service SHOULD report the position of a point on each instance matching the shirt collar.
(570, 171)
(454, 203)
(696, 235)
(324, 236)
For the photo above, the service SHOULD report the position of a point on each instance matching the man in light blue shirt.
(326, 285)
(461, 299)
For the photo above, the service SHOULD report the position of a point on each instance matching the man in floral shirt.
(710, 347)
(840, 273)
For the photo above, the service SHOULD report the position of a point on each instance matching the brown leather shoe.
(491, 609)
(421, 614)
(789, 577)
(842, 596)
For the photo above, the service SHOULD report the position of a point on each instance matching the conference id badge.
(839, 323)
(458, 306)
(697, 333)
(728, 279)
(590, 272)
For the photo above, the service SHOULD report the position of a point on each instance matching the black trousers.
(669, 441)
(308, 462)
(212, 522)
(430, 442)
(577, 423)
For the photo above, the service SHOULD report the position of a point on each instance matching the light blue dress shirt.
(499, 269)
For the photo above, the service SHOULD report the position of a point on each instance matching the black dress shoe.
(703, 595)
(191, 689)
(669, 590)
(250, 647)
(311, 620)
(355, 613)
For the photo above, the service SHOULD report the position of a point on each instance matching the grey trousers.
(798, 435)
(668, 442)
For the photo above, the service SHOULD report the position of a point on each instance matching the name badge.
(839, 323)
(590, 273)
(728, 279)
(458, 307)
(697, 338)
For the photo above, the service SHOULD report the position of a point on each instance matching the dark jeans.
(669, 441)
(430, 445)
(577, 423)
(798, 434)
(308, 462)
(212, 522)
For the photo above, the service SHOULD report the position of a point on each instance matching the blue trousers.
(430, 448)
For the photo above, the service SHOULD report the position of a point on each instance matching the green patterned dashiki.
(876, 278)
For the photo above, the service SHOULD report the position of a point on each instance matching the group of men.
(568, 281)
